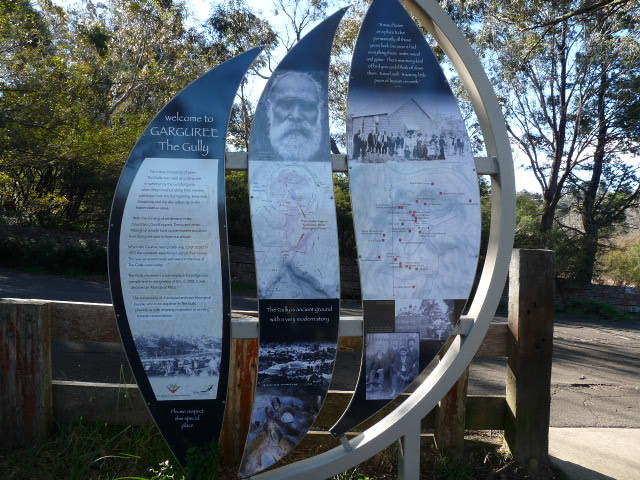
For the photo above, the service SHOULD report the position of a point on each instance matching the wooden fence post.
(242, 384)
(450, 418)
(26, 409)
(531, 309)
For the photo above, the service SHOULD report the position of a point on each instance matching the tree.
(77, 90)
(231, 30)
(543, 87)
(612, 45)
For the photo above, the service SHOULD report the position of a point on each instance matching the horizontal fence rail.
(239, 161)
(121, 403)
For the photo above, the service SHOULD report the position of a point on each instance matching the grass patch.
(88, 451)
(594, 309)
(91, 451)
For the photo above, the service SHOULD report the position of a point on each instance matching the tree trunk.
(590, 223)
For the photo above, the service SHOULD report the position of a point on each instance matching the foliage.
(529, 209)
(75, 98)
(622, 265)
(48, 254)
(346, 233)
(231, 30)
(239, 227)
(203, 462)
(88, 451)
(564, 72)
(595, 309)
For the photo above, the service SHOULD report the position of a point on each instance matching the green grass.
(594, 309)
(97, 451)
(90, 451)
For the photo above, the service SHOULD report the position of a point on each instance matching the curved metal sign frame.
(404, 422)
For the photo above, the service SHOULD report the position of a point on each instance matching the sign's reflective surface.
(416, 207)
(296, 247)
(168, 259)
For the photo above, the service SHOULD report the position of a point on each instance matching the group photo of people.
(379, 147)
(392, 363)
(404, 133)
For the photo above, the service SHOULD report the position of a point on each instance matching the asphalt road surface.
(596, 363)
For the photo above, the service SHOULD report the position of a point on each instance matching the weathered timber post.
(26, 410)
(531, 292)
(242, 384)
(450, 419)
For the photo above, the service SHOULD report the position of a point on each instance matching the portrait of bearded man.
(294, 120)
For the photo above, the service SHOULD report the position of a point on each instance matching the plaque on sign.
(168, 259)
(296, 248)
(418, 230)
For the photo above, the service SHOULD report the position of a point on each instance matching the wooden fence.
(30, 400)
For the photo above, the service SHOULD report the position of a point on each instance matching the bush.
(623, 265)
(595, 309)
(71, 257)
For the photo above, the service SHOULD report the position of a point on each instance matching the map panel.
(415, 199)
(295, 236)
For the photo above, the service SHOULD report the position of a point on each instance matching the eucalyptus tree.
(233, 28)
(606, 187)
(75, 97)
(543, 86)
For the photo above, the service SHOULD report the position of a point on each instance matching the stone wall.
(623, 299)
(243, 270)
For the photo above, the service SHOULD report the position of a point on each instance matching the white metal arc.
(401, 421)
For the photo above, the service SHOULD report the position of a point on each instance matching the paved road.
(595, 378)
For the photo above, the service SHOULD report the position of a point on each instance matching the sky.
(199, 10)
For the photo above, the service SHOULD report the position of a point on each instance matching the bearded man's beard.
(295, 141)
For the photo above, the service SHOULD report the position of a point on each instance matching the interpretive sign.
(416, 209)
(296, 248)
(168, 259)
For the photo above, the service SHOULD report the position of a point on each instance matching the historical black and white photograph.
(279, 423)
(434, 319)
(404, 133)
(392, 362)
(290, 364)
(292, 382)
(291, 123)
(180, 366)
(292, 211)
